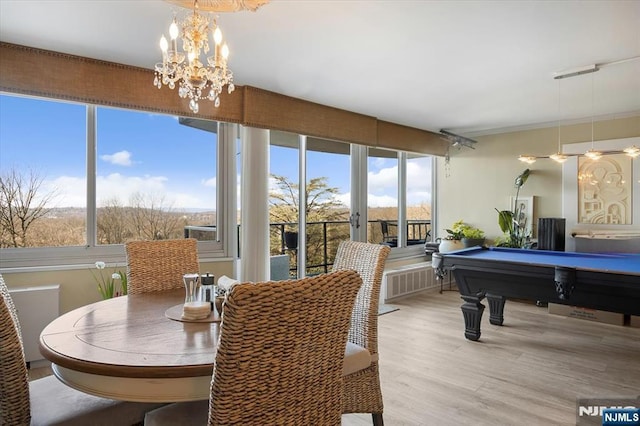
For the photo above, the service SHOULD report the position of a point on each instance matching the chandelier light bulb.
(164, 44)
(217, 35)
(593, 154)
(559, 157)
(225, 51)
(632, 151)
(173, 30)
(529, 159)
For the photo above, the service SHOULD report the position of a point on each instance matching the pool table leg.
(496, 309)
(472, 312)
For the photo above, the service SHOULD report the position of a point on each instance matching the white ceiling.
(472, 67)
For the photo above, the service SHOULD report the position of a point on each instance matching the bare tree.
(22, 204)
(112, 223)
(152, 220)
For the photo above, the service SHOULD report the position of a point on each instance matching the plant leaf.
(522, 178)
(505, 220)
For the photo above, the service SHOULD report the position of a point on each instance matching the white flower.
(115, 276)
(100, 265)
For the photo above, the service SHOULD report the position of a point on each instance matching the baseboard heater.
(36, 307)
(409, 279)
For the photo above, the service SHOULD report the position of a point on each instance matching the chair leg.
(377, 419)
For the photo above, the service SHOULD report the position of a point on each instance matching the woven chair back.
(281, 350)
(368, 260)
(160, 265)
(14, 380)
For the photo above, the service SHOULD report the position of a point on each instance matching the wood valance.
(30, 71)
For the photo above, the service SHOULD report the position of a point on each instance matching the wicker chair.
(47, 401)
(279, 358)
(362, 393)
(159, 265)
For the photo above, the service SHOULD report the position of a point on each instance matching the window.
(328, 201)
(419, 190)
(69, 193)
(283, 196)
(156, 178)
(42, 167)
(397, 200)
(382, 196)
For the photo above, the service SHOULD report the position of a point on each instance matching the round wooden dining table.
(127, 348)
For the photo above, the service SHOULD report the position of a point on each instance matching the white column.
(254, 240)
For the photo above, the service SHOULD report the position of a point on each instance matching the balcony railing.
(323, 239)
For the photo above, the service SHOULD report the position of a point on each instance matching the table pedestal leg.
(496, 309)
(472, 312)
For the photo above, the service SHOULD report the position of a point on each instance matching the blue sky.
(153, 155)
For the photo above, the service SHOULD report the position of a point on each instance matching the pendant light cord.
(559, 116)
(592, 111)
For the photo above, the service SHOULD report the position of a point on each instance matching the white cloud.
(418, 181)
(382, 201)
(416, 198)
(116, 185)
(344, 199)
(71, 191)
(211, 182)
(273, 185)
(383, 183)
(383, 179)
(182, 200)
(419, 175)
(120, 158)
(123, 187)
(378, 162)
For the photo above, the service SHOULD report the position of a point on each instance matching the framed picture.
(524, 212)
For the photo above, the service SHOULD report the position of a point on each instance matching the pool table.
(609, 282)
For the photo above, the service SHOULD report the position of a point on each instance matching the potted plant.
(110, 286)
(453, 240)
(514, 229)
(472, 236)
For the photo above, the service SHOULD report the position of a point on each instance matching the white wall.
(482, 179)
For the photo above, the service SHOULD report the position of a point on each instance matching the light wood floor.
(530, 371)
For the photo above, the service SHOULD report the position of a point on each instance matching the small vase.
(447, 246)
(472, 242)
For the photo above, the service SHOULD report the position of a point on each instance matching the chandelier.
(592, 154)
(197, 75)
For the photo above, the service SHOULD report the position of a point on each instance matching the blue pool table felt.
(627, 263)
